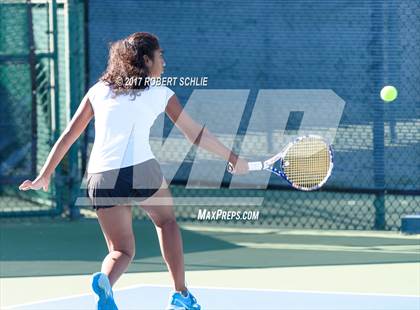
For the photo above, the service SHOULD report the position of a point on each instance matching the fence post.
(378, 70)
(75, 87)
(32, 65)
(54, 95)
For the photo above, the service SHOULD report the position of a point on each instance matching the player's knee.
(129, 252)
(165, 222)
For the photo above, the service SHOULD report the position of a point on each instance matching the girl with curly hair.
(122, 166)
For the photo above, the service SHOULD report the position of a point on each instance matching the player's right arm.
(73, 130)
(201, 136)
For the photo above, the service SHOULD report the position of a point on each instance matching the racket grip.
(255, 165)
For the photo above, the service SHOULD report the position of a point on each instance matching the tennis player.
(124, 108)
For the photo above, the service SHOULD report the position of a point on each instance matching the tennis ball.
(389, 93)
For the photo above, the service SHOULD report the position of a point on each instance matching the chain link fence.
(352, 48)
(26, 62)
(36, 106)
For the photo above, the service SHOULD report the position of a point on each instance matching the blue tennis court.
(146, 297)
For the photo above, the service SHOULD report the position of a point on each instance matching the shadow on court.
(60, 247)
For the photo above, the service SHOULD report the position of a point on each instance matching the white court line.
(278, 290)
(302, 232)
(45, 300)
(221, 288)
(70, 296)
(404, 249)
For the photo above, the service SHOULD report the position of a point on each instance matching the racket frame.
(279, 157)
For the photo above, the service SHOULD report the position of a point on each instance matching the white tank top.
(122, 125)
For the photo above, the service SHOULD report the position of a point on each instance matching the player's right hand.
(241, 167)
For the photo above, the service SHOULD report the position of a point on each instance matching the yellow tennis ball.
(389, 93)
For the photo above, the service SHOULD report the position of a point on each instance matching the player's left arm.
(73, 130)
(201, 136)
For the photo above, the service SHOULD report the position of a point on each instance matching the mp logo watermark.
(254, 127)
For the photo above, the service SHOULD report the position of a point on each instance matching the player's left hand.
(38, 183)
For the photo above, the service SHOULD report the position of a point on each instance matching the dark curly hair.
(126, 68)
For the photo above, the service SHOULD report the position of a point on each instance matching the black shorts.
(124, 186)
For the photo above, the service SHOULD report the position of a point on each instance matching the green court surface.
(61, 255)
(47, 247)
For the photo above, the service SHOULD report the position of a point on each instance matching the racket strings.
(307, 162)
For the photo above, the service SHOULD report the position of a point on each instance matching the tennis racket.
(306, 163)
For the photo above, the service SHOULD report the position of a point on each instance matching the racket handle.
(255, 165)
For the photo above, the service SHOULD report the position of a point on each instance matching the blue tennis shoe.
(102, 288)
(183, 301)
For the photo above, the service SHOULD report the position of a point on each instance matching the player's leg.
(159, 207)
(160, 210)
(116, 224)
